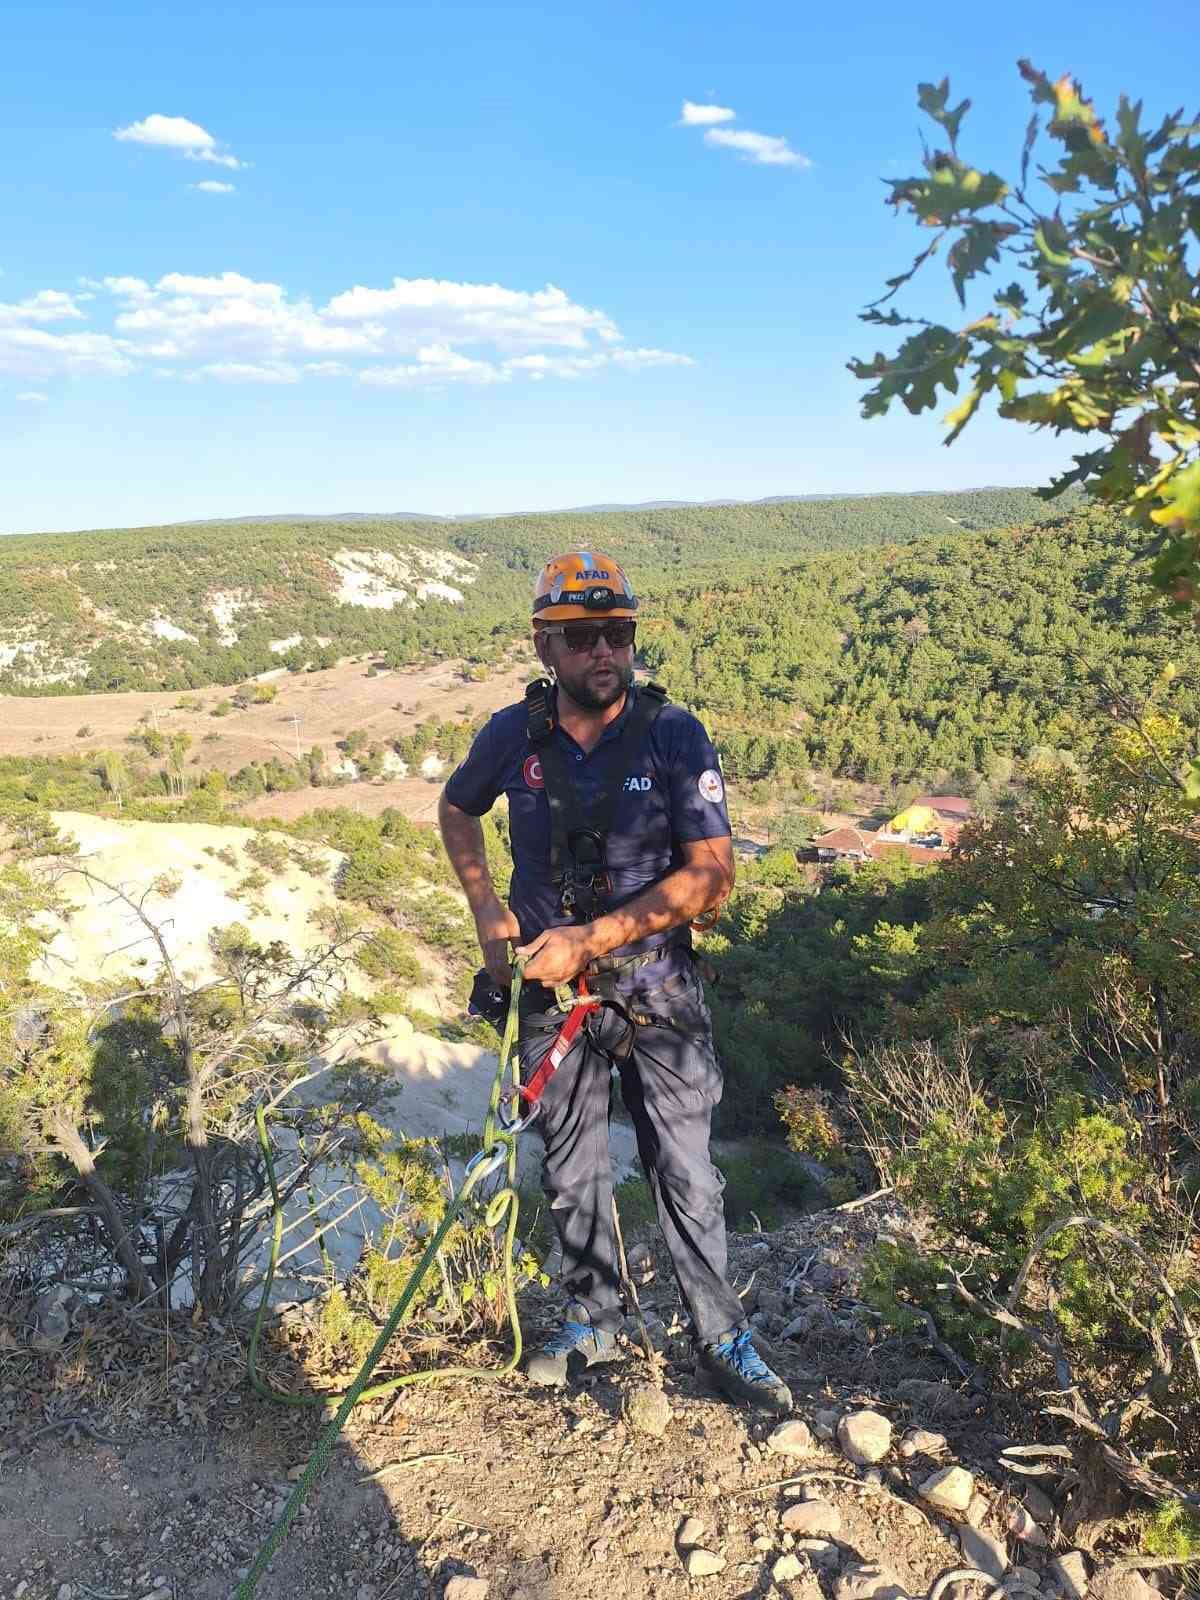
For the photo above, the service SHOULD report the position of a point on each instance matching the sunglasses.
(583, 637)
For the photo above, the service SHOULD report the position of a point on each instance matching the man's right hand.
(495, 928)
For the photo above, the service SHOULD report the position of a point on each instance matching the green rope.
(502, 1207)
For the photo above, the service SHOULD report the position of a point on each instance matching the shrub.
(1172, 1533)
(1050, 1235)
(762, 1183)
(390, 955)
(409, 1181)
(179, 1160)
(224, 854)
(268, 851)
(810, 1122)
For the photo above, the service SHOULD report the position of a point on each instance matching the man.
(620, 839)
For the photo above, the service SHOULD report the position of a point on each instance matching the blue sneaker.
(572, 1345)
(735, 1366)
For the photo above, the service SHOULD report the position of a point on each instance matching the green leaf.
(1012, 299)
(976, 246)
(1051, 238)
(1031, 133)
(1191, 781)
(962, 413)
(1041, 88)
(1181, 499)
(1096, 319)
(932, 100)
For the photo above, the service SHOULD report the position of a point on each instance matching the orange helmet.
(582, 584)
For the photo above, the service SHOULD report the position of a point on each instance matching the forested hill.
(943, 659)
(179, 607)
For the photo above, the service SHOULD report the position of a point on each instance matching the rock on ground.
(786, 1568)
(1111, 1582)
(1023, 1526)
(647, 1409)
(825, 1424)
(984, 1552)
(1039, 1504)
(949, 1489)
(790, 1439)
(865, 1437)
(461, 1588)
(922, 1442)
(812, 1519)
(701, 1563)
(1070, 1572)
(868, 1580)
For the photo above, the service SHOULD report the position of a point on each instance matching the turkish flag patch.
(532, 772)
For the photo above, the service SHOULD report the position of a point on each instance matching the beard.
(592, 697)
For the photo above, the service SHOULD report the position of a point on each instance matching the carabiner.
(485, 1162)
(512, 1120)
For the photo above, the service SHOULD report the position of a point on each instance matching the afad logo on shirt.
(532, 773)
(638, 784)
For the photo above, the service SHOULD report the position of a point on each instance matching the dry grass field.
(311, 708)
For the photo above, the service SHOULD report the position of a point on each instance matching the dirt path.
(540, 1495)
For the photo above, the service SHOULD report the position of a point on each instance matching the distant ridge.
(608, 507)
(174, 607)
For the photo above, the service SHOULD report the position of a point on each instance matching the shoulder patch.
(710, 786)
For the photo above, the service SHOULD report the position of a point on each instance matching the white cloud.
(34, 353)
(555, 366)
(32, 397)
(180, 134)
(435, 363)
(415, 309)
(415, 332)
(248, 372)
(168, 133)
(701, 116)
(214, 186)
(217, 159)
(47, 305)
(765, 149)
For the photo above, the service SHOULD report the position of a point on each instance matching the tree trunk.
(208, 1281)
(73, 1145)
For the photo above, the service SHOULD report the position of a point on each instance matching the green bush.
(1172, 1533)
(390, 955)
(762, 1181)
(409, 1181)
(270, 852)
(635, 1204)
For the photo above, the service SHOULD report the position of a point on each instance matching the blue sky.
(469, 260)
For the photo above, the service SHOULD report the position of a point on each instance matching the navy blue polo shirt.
(672, 794)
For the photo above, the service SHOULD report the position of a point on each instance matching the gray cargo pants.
(670, 1082)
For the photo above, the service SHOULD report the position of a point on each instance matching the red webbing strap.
(532, 1091)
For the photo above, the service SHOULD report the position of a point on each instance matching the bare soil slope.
(172, 1472)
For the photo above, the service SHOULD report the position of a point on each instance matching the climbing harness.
(578, 842)
(579, 837)
(510, 1112)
